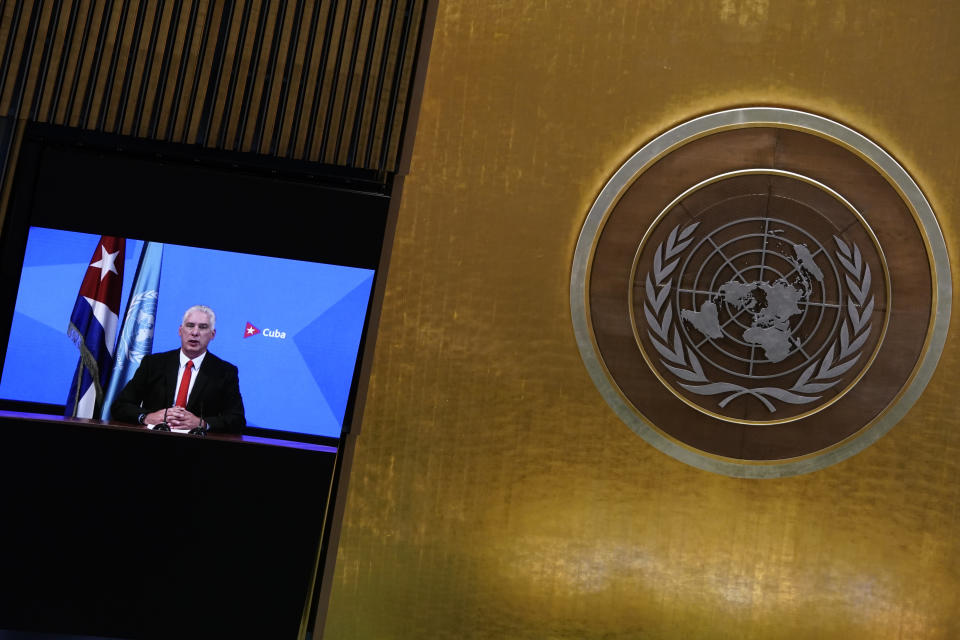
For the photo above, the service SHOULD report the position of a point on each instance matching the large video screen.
(293, 328)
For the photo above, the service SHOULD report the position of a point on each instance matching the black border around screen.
(112, 185)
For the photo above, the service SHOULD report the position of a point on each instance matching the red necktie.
(184, 385)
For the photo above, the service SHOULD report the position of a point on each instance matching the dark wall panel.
(134, 534)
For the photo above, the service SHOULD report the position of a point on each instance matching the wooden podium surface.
(125, 532)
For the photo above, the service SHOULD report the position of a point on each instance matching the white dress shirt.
(193, 377)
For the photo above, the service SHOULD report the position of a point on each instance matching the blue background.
(299, 384)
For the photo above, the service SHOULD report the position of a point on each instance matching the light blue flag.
(136, 333)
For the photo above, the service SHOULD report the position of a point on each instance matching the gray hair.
(203, 309)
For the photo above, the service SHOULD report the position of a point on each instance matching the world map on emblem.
(771, 306)
(760, 318)
(760, 292)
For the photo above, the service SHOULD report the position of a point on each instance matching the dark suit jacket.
(215, 396)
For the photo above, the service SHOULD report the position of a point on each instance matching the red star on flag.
(250, 331)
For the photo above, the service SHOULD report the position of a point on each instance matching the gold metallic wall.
(493, 493)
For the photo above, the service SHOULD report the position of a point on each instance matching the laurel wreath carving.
(822, 374)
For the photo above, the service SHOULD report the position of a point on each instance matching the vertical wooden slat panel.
(382, 72)
(56, 91)
(163, 73)
(129, 77)
(339, 83)
(94, 87)
(321, 79)
(273, 78)
(345, 108)
(184, 46)
(81, 76)
(232, 61)
(113, 32)
(22, 82)
(153, 68)
(363, 111)
(201, 100)
(315, 80)
(109, 99)
(296, 135)
(268, 74)
(391, 135)
(138, 67)
(332, 81)
(287, 83)
(148, 73)
(4, 31)
(253, 78)
(15, 39)
(38, 73)
(405, 67)
(57, 43)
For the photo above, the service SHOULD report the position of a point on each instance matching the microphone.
(199, 430)
(163, 426)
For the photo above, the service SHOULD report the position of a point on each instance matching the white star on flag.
(250, 330)
(106, 262)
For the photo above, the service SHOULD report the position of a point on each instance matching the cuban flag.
(93, 327)
(136, 334)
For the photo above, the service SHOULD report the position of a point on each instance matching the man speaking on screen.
(187, 388)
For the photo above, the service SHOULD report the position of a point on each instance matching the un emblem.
(761, 292)
(142, 314)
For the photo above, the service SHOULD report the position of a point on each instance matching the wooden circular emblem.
(761, 292)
